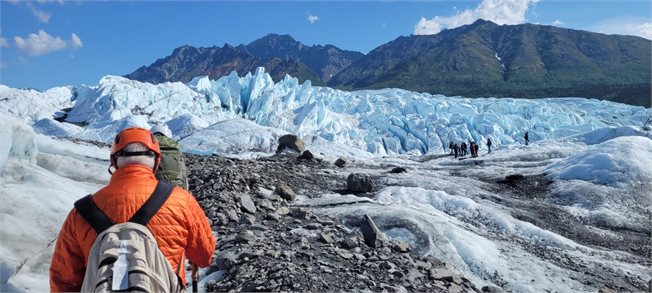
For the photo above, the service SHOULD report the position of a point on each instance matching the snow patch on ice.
(622, 160)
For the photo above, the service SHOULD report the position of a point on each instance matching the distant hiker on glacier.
(134, 224)
(474, 149)
(457, 149)
(463, 149)
(451, 146)
(172, 168)
(489, 144)
(527, 140)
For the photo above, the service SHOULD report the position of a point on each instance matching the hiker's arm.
(201, 242)
(67, 267)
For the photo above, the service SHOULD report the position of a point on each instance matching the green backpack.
(172, 167)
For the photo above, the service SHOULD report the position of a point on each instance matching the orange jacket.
(180, 225)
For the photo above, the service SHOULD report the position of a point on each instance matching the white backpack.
(125, 257)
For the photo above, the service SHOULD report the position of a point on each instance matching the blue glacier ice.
(387, 121)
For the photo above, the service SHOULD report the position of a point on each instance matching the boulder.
(290, 141)
(340, 163)
(306, 155)
(285, 192)
(225, 260)
(372, 235)
(397, 170)
(246, 204)
(358, 182)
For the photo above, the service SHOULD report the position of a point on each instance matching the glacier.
(598, 155)
(388, 121)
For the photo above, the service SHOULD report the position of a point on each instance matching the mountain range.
(476, 60)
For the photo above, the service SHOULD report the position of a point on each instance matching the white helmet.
(162, 129)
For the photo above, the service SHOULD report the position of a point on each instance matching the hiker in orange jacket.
(180, 226)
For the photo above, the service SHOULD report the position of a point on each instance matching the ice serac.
(32, 105)
(18, 142)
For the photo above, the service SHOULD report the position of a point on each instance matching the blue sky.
(49, 43)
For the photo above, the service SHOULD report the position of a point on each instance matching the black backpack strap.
(92, 214)
(153, 204)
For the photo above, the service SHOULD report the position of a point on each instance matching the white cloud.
(3, 43)
(625, 26)
(41, 15)
(75, 42)
(313, 18)
(43, 43)
(498, 11)
(40, 44)
(557, 22)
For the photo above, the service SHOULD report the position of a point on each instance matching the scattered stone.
(232, 215)
(348, 242)
(266, 204)
(398, 170)
(344, 229)
(306, 155)
(299, 213)
(372, 235)
(325, 222)
(494, 289)
(313, 226)
(244, 237)
(273, 217)
(387, 265)
(340, 163)
(345, 255)
(326, 238)
(248, 219)
(441, 274)
(357, 182)
(270, 251)
(402, 247)
(454, 288)
(285, 192)
(246, 204)
(282, 211)
(225, 260)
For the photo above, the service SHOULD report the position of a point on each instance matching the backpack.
(125, 256)
(172, 167)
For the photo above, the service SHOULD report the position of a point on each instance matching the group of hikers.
(460, 150)
(135, 233)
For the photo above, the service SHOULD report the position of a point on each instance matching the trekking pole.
(195, 276)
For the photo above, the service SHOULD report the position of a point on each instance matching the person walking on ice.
(134, 233)
(489, 144)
